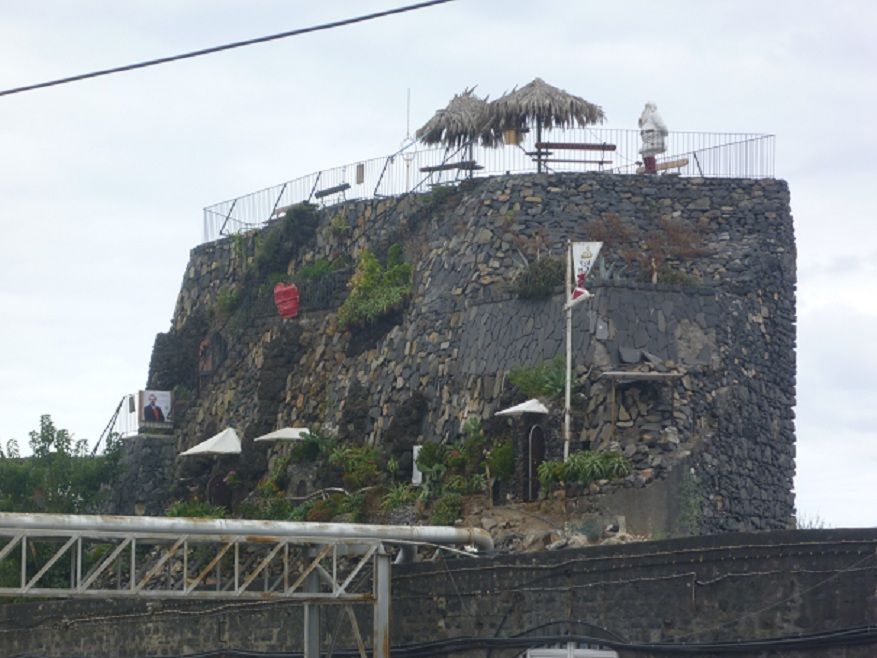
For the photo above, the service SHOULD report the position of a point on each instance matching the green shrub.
(457, 484)
(474, 445)
(359, 465)
(325, 509)
(613, 465)
(277, 508)
(195, 509)
(227, 300)
(455, 460)
(353, 504)
(322, 510)
(583, 468)
(376, 290)
(397, 495)
(541, 279)
(300, 512)
(338, 225)
(501, 460)
(545, 380)
(447, 509)
(319, 269)
(278, 243)
(550, 472)
(431, 455)
(438, 196)
(313, 446)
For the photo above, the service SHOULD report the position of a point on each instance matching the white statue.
(653, 130)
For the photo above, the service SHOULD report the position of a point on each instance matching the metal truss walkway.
(48, 555)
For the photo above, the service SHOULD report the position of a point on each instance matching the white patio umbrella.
(529, 407)
(285, 434)
(226, 442)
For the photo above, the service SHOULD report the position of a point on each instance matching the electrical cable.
(227, 46)
(846, 637)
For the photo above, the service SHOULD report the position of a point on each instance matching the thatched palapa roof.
(547, 105)
(464, 119)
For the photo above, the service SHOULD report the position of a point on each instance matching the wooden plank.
(332, 190)
(664, 166)
(599, 162)
(575, 146)
(465, 165)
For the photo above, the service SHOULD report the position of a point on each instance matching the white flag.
(584, 254)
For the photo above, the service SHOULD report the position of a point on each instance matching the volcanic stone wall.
(683, 591)
(719, 322)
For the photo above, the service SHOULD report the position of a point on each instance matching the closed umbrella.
(226, 442)
(285, 434)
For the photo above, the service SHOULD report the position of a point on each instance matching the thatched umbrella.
(463, 120)
(543, 104)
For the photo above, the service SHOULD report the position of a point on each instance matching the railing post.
(381, 635)
(228, 216)
(277, 202)
(312, 618)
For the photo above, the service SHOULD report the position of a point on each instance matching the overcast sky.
(103, 182)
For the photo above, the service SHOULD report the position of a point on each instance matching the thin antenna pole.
(407, 158)
(408, 115)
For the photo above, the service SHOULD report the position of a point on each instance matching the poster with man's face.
(155, 406)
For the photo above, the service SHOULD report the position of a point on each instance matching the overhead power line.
(227, 46)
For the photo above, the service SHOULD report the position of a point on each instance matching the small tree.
(61, 477)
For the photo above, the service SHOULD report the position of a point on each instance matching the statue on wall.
(653, 131)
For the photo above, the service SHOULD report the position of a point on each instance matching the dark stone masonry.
(682, 591)
(697, 282)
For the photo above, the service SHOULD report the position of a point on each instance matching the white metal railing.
(55, 555)
(417, 169)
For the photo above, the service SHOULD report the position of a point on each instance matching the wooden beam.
(599, 162)
(664, 166)
(465, 165)
(575, 146)
(332, 190)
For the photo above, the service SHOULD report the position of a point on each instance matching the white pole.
(568, 307)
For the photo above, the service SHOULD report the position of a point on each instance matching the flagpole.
(568, 308)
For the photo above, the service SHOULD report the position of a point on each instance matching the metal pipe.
(189, 526)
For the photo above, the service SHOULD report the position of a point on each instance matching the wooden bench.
(465, 165)
(546, 149)
(575, 146)
(664, 166)
(596, 162)
(331, 190)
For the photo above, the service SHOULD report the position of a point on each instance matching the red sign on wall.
(286, 299)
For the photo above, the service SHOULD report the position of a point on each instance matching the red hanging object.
(286, 299)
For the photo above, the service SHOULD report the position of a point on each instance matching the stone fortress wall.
(713, 447)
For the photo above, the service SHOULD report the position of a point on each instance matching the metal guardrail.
(414, 169)
(56, 555)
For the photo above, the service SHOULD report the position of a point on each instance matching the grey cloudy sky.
(103, 181)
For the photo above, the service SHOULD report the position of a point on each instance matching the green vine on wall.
(376, 290)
